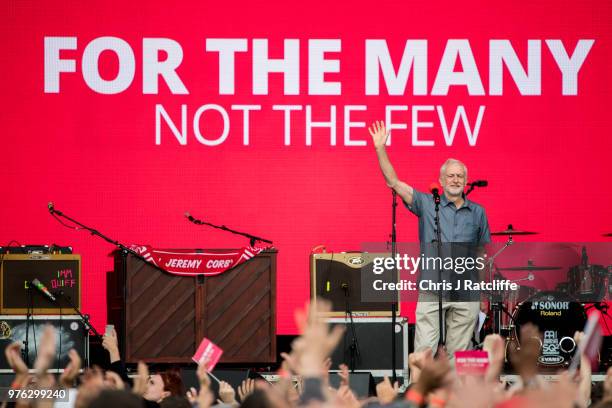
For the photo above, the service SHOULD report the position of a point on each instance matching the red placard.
(209, 353)
(471, 362)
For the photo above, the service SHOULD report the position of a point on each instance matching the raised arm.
(379, 137)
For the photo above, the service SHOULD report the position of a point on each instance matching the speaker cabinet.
(372, 348)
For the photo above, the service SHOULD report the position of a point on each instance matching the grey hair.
(452, 161)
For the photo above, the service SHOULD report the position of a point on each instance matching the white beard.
(454, 191)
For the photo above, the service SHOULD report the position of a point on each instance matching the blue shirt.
(467, 223)
(463, 231)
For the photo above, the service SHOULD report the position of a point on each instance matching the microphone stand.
(472, 186)
(84, 317)
(124, 249)
(29, 323)
(124, 253)
(394, 303)
(442, 337)
(354, 353)
(252, 238)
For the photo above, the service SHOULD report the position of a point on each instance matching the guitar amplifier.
(70, 334)
(55, 271)
(338, 277)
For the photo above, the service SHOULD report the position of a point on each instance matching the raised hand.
(227, 394)
(44, 359)
(420, 358)
(72, 369)
(14, 360)
(289, 362)
(344, 375)
(202, 372)
(379, 134)
(494, 345)
(434, 374)
(92, 383)
(317, 341)
(113, 381)
(192, 395)
(141, 379)
(607, 386)
(525, 359)
(110, 343)
(46, 350)
(326, 366)
(386, 392)
(246, 388)
(205, 398)
(346, 398)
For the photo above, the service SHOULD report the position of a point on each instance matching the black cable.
(355, 353)
(64, 224)
(33, 323)
(59, 353)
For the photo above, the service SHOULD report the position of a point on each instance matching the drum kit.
(558, 313)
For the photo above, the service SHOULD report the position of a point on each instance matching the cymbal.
(531, 268)
(512, 231)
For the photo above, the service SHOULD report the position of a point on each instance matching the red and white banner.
(189, 262)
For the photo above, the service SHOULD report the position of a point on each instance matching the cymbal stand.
(496, 305)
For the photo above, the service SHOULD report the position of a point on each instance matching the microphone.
(479, 183)
(51, 207)
(434, 189)
(189, 216)
(43, 289)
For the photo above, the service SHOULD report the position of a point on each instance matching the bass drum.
(558, 316)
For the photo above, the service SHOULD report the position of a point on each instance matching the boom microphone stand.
(124, 249)
(124, 253)
(85, 318)
(252, 238)
(477, 183)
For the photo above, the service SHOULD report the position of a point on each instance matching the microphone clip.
(436, 195)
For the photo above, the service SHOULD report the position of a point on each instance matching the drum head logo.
(550, 305)
(550, 349)
(551, 360)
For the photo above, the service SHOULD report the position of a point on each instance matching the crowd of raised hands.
(304, 380)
